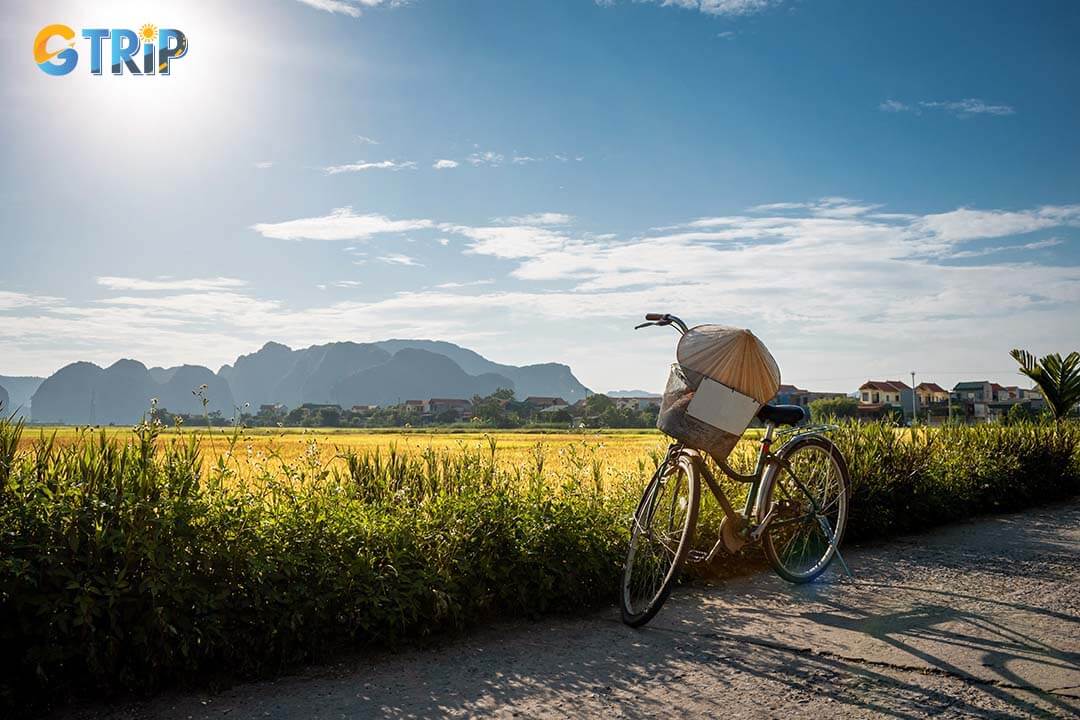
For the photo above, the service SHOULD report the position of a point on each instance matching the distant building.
(786, 395)
(543, 402)
(879, 397)
(416, 406)
(930, 393)
(636, 403)
(792, 395)
(438, 406)
(973, 391)
(315, 407)
(363, 408)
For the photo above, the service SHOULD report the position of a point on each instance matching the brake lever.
(644, 324)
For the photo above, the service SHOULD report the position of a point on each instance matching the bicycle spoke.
(809, 496)
(657, 534)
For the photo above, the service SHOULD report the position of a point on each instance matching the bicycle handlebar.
(664, 319)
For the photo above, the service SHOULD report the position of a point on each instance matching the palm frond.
(1057, 378)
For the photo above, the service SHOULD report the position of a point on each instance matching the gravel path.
(980, 619)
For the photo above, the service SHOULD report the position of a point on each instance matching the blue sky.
(873, 188)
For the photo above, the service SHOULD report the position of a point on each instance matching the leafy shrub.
(124, 566)
(906, 480)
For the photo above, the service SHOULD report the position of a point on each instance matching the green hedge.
(123, 569)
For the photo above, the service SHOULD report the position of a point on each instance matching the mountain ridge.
(344, 373)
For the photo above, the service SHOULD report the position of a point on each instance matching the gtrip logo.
(145, 52)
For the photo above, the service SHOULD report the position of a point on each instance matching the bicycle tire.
(635, 613)
(773, 541)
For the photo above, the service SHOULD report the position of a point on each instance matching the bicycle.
(796, 506)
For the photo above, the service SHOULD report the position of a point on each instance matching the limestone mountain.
(414, 375)
(278, 374)
(341, 373)
(19, 389)
(254, 378)
(84, 393)
(543, 379)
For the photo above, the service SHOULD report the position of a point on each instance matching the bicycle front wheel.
(808, 499)
(660, 538)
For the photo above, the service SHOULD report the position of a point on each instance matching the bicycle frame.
(755, 498)
(759, 480)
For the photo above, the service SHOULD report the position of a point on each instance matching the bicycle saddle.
(782, 414)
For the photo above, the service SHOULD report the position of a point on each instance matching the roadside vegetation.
(137, 561)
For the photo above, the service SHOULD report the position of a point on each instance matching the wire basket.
(675, 420)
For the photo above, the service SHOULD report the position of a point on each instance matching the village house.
(973, 391)
(792, 395)
(877, 397)
(929, 393)
(982, 400)
(540, 403)
(457, 406)
(636, 403)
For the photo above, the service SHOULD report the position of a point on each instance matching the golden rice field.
(614, 454)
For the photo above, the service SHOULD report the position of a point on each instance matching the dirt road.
(976, 620)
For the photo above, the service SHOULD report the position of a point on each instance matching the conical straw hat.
(733, 357)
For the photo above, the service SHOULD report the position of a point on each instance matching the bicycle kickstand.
(829, 534)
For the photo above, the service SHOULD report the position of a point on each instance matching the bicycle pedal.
(697, 556)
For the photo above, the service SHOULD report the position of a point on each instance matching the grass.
(135, 559)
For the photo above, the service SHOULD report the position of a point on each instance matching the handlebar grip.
(654, 317)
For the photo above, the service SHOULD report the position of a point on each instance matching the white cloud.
(361, 166)
(836, 298)
(164, 283)
(445, 164)
(711, 7)
(1036, 245)
(399, 259)
(11, 300)
(264, 164)
(893, 106)
(334, 6)
(487, 158)
(352, 8)
(365, 140)
(471, 283)
(544, 218)
(510, 241)
(340, 224)
(960, 108)
(970, 106)
(836, 207)
(525, 159)
(966, 224)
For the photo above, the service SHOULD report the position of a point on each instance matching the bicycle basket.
(675, 419)
(723, 376)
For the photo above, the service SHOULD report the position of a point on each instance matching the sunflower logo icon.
(148, 33)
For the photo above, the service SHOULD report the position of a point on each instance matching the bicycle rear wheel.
(809, 503)
(660, 538)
